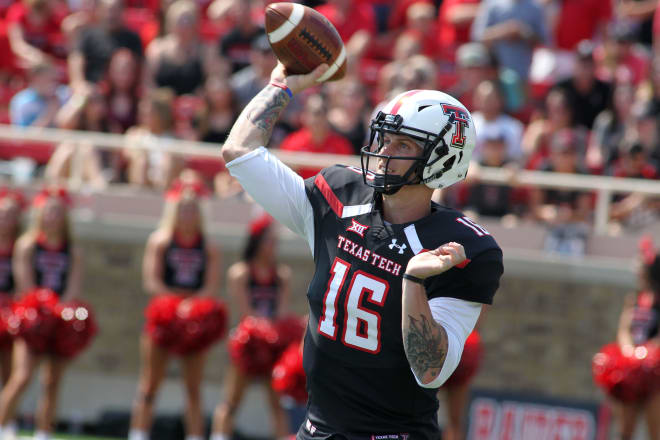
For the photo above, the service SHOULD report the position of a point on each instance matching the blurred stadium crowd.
(569, 86)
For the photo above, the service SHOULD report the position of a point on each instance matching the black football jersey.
(358, 377)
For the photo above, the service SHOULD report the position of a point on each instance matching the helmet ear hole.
(448, 163)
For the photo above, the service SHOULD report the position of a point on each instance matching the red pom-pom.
(290, 330)
(202, 322)
(288, 376)
(75, 328)
(254, 346)
(34, 319)
(6, 312)
(161, 325)
(630, 375)
(470, 361)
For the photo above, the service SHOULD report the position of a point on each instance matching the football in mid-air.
(303, 39)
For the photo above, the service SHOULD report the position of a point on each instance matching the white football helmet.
(439, 123)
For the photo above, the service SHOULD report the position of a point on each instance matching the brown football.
(302, 39)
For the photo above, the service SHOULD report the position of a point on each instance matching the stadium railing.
(603, 186)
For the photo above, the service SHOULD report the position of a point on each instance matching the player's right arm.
(273, 185)
(254, 126)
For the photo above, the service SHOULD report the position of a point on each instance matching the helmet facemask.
(389, 184)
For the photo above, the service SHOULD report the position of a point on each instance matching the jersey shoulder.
(340, 188)
(458, 227)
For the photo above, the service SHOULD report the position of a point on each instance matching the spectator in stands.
(236, 44)
(564, 211)
(587, 94)
(646, 129)
(420, 72)
(38, 104)
(86, 110)
(219, 111)
(636, 210)
(486, 199)
(89, 60)
(420, 20)
(155, 168)
(621, 58)
(455, 18)
(355, 22)
(46, 256)
(477, 64)
(609, 129)
(581, 20)
(33, 29)
(316, 136)
(490, 114)
(123, 90)
(175, 59)
(512, 28)
(179, 259)
(639, 14)
(558, 116)
(349, 110)
(250, 80)
(390, 75)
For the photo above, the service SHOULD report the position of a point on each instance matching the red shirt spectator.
(40, 26)
(580, 20)
(349, 17)
(316, 136)
(454, 20)
(302, 140)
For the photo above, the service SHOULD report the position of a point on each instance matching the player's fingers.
(317, 73)
(278, 73)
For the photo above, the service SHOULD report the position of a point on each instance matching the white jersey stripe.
(353, 210)
(286, 27)
(413, 239)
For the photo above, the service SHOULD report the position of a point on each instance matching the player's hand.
(436, 261)
(297, 83)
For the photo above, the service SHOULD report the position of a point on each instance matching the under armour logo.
(358, 228)
(400, 247)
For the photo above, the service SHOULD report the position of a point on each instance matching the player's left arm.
(434, 331)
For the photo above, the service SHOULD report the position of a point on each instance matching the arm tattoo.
(426, 347)
(264, 111)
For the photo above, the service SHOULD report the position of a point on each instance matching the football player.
(399, 281)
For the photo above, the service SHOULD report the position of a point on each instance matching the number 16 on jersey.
(361, 327)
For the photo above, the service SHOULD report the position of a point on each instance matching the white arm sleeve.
(278, 189)
(458, 318)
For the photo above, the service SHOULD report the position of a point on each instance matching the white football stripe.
(413, 239)
(334, 66)
(286, 27)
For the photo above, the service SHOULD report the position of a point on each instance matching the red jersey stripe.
(330, 196)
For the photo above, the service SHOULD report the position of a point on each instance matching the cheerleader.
(629, 370)
(178, 260)
(260, 287)
(11, 203)
(44, 257)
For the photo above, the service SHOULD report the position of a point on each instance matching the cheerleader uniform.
(185, 266)
(6, 275)
(263, 294)
(632, 374)
(51, 266)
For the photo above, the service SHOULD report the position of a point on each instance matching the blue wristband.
(283, 87)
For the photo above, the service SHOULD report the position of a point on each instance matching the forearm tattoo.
(266, 107)
(425, 345)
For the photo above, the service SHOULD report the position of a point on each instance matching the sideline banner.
(509, 416)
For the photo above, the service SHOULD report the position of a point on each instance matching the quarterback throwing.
(399, 282)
